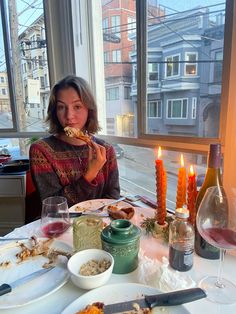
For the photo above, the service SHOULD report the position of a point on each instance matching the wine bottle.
(212, 178)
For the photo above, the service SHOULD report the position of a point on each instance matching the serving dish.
(19, 165)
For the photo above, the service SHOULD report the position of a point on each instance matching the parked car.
(119, 151)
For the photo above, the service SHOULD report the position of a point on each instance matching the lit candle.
(181, 185)
(192, 194)
(160, 189)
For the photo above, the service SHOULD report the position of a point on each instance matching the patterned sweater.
(57, 168)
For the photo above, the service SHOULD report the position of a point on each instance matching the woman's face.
(70, 109)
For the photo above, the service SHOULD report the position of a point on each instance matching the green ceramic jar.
(122, 240)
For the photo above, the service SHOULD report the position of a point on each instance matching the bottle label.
(188, 258)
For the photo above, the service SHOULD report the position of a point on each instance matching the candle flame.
(182, 160)
(159, 152)
(191, 170)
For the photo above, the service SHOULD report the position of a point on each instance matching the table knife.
(163, 299)
(98, 209)
(74, 214)
(6, 288)
(14, 239)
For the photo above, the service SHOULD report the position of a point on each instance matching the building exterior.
(119, 23)
(4, 94)
(184, 84)
(34, 69)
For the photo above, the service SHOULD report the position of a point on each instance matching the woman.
(67, 166)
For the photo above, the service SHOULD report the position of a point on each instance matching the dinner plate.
(120, 293)
(94, 204)
(39, 287)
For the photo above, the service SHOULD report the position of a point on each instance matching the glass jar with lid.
(87, 232)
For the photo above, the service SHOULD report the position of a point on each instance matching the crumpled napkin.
(161, 276)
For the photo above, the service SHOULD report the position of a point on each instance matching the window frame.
(166, 66)
(190, 63)
(158, 104)
(194, 108)
(172, 101)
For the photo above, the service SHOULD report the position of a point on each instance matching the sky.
(181, 5)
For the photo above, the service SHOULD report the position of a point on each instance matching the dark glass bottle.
(181, 241)
(212, 178)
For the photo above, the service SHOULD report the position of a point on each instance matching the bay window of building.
(181, 38)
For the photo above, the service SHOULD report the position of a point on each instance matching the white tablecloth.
(153, 248)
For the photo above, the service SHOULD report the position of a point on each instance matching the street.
(139, 178)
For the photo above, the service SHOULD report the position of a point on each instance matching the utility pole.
(16, 60)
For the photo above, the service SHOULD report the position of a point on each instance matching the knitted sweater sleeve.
(48, 180)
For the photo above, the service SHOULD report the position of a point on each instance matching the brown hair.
(86, 96)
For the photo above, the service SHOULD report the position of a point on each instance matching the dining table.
(153, 248)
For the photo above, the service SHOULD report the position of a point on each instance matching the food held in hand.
(77, 133)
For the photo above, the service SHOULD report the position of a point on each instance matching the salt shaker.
(181, 241)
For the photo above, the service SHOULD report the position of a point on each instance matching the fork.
(100, 208)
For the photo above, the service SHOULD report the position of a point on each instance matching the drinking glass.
(215, 226)
(55, 216)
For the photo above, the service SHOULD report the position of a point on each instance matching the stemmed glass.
(55, 216)
(215, 226)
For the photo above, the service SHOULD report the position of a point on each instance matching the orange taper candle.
(192, 195)
(160, 189)
(181, 185)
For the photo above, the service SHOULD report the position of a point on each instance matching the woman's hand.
(96, 160)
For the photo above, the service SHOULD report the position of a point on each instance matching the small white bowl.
(82, 257)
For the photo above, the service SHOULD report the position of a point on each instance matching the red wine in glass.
(55, 216)
(216, 227)
(54, 229)
(224, 237)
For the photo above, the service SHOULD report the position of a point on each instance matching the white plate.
(120, 293)
(40, 286)
(94, 204)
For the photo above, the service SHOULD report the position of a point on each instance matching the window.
(154, 109)
(190, 65)
(116, 56)
(4, 92)
(127, 91)
(106, 56)
(165, 34)
(42, 83)
(112, 93)
(105, 25)
(218, 67)
(177, 108)
(131, 26)
(194, 107)
(153, 71)
(115, 25)
(2, 79)
(23, 79)
(172, 66)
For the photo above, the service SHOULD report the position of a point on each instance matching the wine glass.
(215, 226)
(55, 216)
